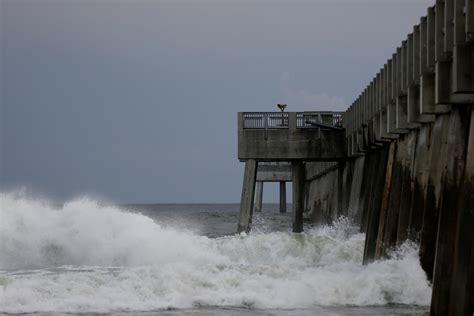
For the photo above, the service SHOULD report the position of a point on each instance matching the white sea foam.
(86, 257)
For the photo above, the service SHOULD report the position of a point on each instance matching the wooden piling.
(385, 200)
(450, 210)
(437, 157)
(365, 191)
(462, 284)
(298, 195)
(375, 202)
(408, 144)
(391, 226)
(246, 201)
(282, 197)
(259, 197)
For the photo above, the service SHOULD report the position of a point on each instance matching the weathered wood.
(282, 197)
(348, 178)
(298, 195)
(259, 197)
(391, 225)
(381, 158)
(404, 68)
(385, 199)
(246, 201)
(449, 210)
(437, 156)
(420, 176)
(408, 147)
(462, 291)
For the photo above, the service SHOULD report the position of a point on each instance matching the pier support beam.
(462, 284)
(259, 197)
(450, 211)
(408, 156)
(298, 195)
(434, 187)
(282, 197)
(393, 211)
(361, 215)
(381, 160)
(248, 191)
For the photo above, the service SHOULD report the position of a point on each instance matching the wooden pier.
(402, 166)
(285, 140)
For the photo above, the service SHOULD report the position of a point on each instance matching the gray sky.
(136, 101)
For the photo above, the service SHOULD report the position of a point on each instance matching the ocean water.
(86, 257)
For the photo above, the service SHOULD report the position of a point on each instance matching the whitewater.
(89, 257)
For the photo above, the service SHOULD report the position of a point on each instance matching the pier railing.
(426, 75)
(262, 120)
(319, 119)
(288, 136)
(281, 120)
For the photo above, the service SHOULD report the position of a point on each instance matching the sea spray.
(87, 257)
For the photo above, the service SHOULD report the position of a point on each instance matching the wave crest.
(88, 257)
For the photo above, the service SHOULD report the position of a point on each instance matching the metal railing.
(263, 120)
(280, 120)
(319, 119)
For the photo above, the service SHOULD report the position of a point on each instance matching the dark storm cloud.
(136, 101)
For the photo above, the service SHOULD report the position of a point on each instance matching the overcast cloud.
(137, 101)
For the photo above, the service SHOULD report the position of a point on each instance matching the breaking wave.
(88, 257)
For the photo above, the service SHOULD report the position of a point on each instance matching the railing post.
(292, 120)
(265, 124)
